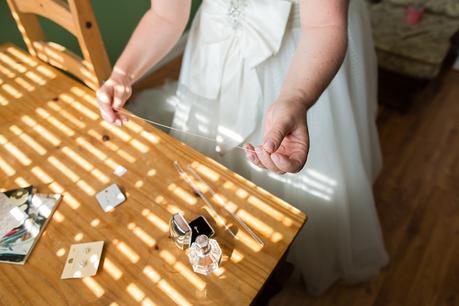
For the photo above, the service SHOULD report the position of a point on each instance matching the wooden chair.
(77, 17)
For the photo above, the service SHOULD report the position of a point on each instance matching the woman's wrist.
(121, 75)
(299, 101)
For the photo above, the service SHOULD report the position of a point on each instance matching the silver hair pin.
(223, 203)
(187, 179)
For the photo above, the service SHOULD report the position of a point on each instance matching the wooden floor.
(417, 198)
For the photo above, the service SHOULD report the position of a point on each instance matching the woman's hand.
(286, 139)
(112, 96)
(161, 26)
(318, 56)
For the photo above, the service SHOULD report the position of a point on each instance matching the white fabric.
(342, 239)
(225, 44)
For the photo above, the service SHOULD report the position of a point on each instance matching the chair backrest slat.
(56, 10)
(78, 18)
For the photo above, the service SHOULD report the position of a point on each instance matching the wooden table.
(51, 137)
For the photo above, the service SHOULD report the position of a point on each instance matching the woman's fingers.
(121, 94)
(252, 155)
(111, 98)
(287, 164)
(275, 135)
(265, 159)
(275, 162)
(124, 118)
(104, 99)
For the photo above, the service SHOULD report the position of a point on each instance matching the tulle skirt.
(342, 238)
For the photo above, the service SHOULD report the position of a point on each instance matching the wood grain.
(90, 40)
(78, 18)
(51, 136)
(62, 58)
(57, 10)
(28, 26)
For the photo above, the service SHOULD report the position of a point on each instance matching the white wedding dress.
(237, 56)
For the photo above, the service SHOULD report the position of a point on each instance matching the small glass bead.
(235, 11)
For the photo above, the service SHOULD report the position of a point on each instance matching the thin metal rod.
(187, 179)
(180, 130)
(224, 204)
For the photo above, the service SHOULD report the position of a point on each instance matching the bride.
(291, 81)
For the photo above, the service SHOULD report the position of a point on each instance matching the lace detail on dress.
(235, 11)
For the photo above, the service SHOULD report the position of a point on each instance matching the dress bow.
(229, 39)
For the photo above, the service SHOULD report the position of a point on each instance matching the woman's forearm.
(155, 35)
(318, 56)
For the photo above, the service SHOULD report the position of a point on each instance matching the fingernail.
(275, 158)
(258, 150)
(269, 146)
